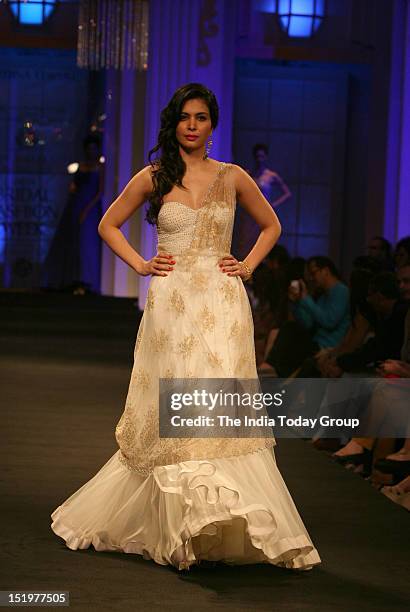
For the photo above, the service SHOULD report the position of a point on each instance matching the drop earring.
(208, 147)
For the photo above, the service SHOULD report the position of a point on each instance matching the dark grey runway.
(64, 367)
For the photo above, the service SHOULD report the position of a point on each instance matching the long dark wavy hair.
(169, 168)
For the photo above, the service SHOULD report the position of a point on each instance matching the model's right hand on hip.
(160, 265)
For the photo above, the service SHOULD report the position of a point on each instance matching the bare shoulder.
(240, 177)
(238, 172)
(143, 180)
(146, 174)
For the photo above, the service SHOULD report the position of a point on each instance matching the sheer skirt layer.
(233, 509)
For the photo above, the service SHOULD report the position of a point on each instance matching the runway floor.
(65, 363)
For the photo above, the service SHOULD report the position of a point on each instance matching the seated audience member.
(295, 270)
(317, 323)
(383, 420)
(386, 397)
(362, 326)
(278, 262)
(278, 258)
(390, 308)
(386, 420)
(402, 252)
(364, 262)
(267, 295)
(403, 279)
(263, 315)
(328, 317)
(374, 349)
(362, 321)
(396, 463)
(361, 315)
(380, 250)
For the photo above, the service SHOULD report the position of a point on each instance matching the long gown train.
(182, 500)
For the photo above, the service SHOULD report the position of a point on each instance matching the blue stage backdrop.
(42, 100)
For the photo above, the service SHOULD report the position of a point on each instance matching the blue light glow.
(301, 18)
(265, 6)
(32, 12)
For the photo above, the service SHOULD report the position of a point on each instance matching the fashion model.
(275, 190)
(74, 258)
(183, 500)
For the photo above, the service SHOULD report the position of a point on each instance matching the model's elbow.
(273, 232)
(101, 229)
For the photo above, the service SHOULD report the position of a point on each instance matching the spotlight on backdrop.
(298, 18)
(32, 12)
(301, 18)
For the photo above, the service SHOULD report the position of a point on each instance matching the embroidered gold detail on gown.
(159, 341)
(197, 239)
(206, 319)
(177, 302)
(149, 304)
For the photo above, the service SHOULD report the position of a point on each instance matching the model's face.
(194, 127)
(403, 278)
(401, 257)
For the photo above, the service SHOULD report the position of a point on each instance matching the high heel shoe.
(359, 460)
(356, 459)
(400, 469)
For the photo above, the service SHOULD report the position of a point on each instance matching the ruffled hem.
(235, 510)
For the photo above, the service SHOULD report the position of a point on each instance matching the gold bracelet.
(247, 269)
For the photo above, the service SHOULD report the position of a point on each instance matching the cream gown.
(181, 500)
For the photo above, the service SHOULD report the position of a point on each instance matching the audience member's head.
(403, 279)
(365, 262)
(383, 292)
(262, 279)
(260, 153)
(380, 249)
(278, 258)
(322, 272)
(360, 280)
(297, 269)
(402, 252)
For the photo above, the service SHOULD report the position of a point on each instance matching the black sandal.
(357, 459)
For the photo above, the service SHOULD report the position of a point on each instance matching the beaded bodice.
(185, 231)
